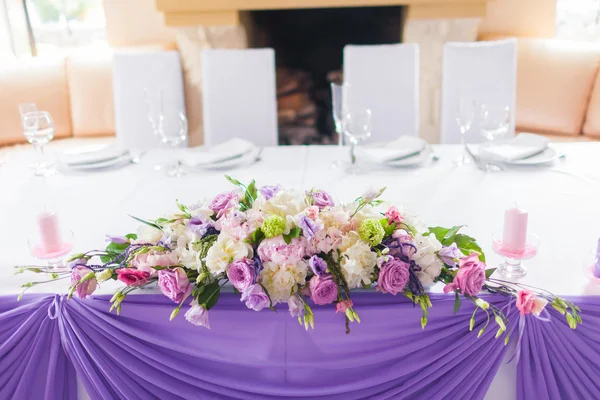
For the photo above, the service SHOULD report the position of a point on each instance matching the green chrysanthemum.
(273, 225)
(371, 231)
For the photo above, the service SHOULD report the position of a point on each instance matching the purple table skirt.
(45, 342)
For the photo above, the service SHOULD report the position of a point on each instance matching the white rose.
(358, 261)
(280, 279)
(148, 234)
(225, 250)
(426, 258)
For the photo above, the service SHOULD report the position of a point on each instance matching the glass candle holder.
(54, 257)
(513, 266)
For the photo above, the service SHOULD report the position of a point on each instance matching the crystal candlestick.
(513, 266)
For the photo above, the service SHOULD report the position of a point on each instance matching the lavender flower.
(308, 226)
(449, 254)
(269, 191)
(318, 265)
(198, 225)
(116, 239)
(320, 198)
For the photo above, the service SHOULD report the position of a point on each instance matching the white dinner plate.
(413, 161)
(548, 155)
(122, 160)
(243, 159)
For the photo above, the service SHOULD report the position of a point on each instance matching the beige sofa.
(558, 92)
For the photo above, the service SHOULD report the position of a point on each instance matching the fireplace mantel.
(227, 12)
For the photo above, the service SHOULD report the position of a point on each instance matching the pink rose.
(132, 277)
(323, 289)
(393, 275)
(147, 261)
(342, 306)
(223, 202)
(277, 251)
(241, 273)
(86, 288)
(470, 276)
(393, 216)
(174, 284)
(527, 303)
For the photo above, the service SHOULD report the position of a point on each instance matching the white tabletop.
(561, 199)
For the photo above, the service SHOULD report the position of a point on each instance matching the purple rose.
(470, 276)
(223, 202)
(241, 273)
(269, 191)
(255, 297)
(393, 275)
(86, 287)
(323, 289)
(197, 315)
(449, 254)
(308, 226)
(318, 265)
(320, 198)
(174, 284)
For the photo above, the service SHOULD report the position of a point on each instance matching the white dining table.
(562, 200)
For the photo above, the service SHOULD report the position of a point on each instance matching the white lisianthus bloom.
(284, 203)
(225, 250)
(148, 234)
(189, 258)
(358, 261)
(279, 279)
(426, 258)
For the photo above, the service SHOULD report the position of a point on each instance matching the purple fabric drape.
(246, 355)
(33, 364)
(558, 362)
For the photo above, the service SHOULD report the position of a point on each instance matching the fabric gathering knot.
(55, 306)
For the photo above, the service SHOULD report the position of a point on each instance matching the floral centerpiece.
(275, 245)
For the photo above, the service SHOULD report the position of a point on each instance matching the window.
(578, 19)
(39, 27)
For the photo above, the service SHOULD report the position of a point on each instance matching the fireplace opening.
(308, 46)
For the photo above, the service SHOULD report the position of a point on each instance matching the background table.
(562, 200)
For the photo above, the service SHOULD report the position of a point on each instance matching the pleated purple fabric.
(558, 362)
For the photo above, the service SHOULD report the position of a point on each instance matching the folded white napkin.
(207, 155)
(92, 154)
(521, 146)
(402, 147)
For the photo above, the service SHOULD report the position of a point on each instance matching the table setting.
(395, 269)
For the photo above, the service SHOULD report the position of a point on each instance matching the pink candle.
(514, 237)
(50, 238)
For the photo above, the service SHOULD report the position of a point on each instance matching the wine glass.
(38, 129)
(337, 110)
(465, 112)
(155, 113)
(357, 127)
(25, 108)
(173, 133)
(494, 121)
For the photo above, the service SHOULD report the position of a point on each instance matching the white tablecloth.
(561, 199)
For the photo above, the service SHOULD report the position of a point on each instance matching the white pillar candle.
(514, 237)
(50, 238)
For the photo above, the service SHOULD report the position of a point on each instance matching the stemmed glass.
(25, 108)
(337, 102)
(465, 112)
(38, 129)
(155, 114)
(494, 120)
(173, 133)
(357, 127)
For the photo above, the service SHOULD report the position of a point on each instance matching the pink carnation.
(527, 303)
(342, 306)
(132, 277)
(470, 276)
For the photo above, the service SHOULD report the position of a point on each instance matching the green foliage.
(149, 223)
(256, 237)
(113, 250)
(456, 302)
(387, 227)
(250, 193)
(209, 296)
(294, 233)
(465, 243)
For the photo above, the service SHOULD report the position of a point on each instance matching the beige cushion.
(40, 80)
(89, 76)
(554, 81)
(592, 118)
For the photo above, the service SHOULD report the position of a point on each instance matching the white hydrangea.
(279, 279)
(358, 261)
(225, 250)
(426, 258)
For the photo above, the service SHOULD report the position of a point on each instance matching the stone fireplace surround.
(207, 24)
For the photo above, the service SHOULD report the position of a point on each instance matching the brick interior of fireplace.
(308, 48)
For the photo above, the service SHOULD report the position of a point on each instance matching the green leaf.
(295, 232)
(387, 227)
(132, 236)
(152, 224)
(456, 302)
(439, 232)
(489, 272)
(287, 239)
(184, 209)
(257, 236)
(234, 181)
(210, 295)
(467, 245)
(453, 231)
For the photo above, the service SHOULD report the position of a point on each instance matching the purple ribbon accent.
(55, 306)
(517, 354)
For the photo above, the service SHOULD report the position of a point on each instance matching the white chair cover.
(133, 72)
(484, 72)
(385, 79)
(239, 96)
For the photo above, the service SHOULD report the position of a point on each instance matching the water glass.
(38, 128)
(494, 122)
(25, 108)
(465, 112)
(357, 127)
(337, 104)
(174, 132)
(153, 98)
